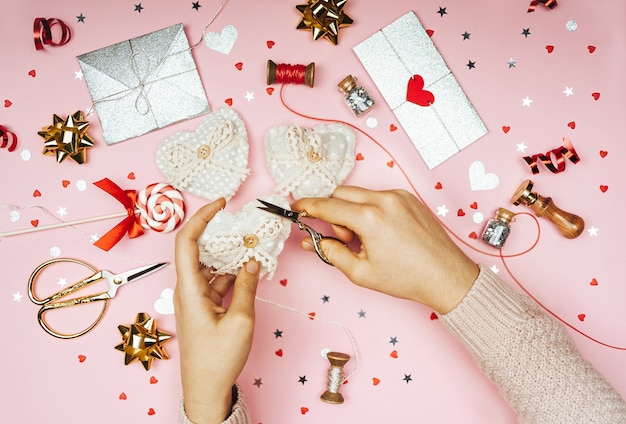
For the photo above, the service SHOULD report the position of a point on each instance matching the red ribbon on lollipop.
(561, 154)
(7, 138)
(42, 32)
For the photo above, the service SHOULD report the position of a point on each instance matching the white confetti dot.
(478, 217)
(571, 25)
(81, 185)
(14, 216)
(25, 155)
(324, 353)
(55, 251)
(371, 122)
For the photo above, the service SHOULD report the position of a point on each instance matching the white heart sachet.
(210, 162)
(309, 162)
(230, 240)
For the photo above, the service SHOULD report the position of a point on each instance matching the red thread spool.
(290, 74)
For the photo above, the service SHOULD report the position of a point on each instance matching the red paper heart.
(433, 316)
(279, 353)
(36, 193)
(153, 380)
(304, 410)
(582, 317)
(32, 73)
(65, 183)
(572, 125)
(460, 212)
(595, 95)
(151, 411)
(269, 90)
(239, 65)
(131, 176)
(393, 128)
(123, 396)
(591, 49)
(270, 44)
(506, 128)
(473, 235)
(283, 282)
(603, 153)
(438, 186)
(7, 103)
(474, 205)
(550, 49)
(375, 381)
(81, 358)
(359, 156)
(604, 188)
(394, 354)
(593, 282)
(390, 164)
(229, 102)
(311, 315)
(34, 222)
(415, 92)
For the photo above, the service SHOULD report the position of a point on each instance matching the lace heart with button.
(210, 162)
(309, 162)
(230, 240)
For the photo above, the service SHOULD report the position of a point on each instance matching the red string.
(290, 74)
(452, 233)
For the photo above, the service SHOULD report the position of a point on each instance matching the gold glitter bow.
(324, 18)
(143, 341)
(67, 138)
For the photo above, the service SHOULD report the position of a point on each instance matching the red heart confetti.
(572, 124)
(604, 188)
(269, 90)
(474, 205)
(229, 101)
(506, 129)
(460, 212)
(595, 95)
(359, 156)
(390, 164)
(438, 186)
(131, 176)
(123, 396)
(430, 32)
(65, 183)
(603, 153)
(394, 354)
(473, 235)
(32, 73)
(34, 222)
(283, 282)
(304, 410)
(582, 317)
(269, 44)
(81, 358)
(36, 193)
(433, 316)
(593, 282)
(239, 65)
(393, 128)
(311, 315)
(591, 49)
(151, 411)
(153, 380)
(279, 353)
(415, 92)
(8, 103)
(549, 48)
(375, 381)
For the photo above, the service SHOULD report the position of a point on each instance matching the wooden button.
(250, 241)
(203, 151)
(314, 156)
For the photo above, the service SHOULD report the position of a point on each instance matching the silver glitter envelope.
(143, 84)
(438, 117)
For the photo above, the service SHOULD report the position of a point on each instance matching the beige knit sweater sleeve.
(530, 357)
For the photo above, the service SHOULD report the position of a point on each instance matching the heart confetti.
(279, 353)
(151, 411)
(604, 188)
(269, 90)
(375, 381)
(479, 179)
(229, 101)
(123, 396)
(438, 186)
(582, 317)
(32, 73)
(81, 358)
(65, 183)
(153, 380)
(460, 212)
(36, 193)
(603, 153)
(571, 124)
(591, 49)
(131, 176)
(394, 354)
(549, 48)
(595, 95)
(506, 129)
(269, 44)
(392, 128)
(283, 282)
(239, 65)
(593, 282)
(304, 410)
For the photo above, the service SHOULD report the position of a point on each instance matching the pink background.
(43, 378)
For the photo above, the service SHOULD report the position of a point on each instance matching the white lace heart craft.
(230, 240)
(210, 162)
(309, 162)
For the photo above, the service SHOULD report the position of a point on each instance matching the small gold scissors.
(115, 281)
(295, 217)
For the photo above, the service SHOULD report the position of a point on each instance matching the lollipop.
(161, 207)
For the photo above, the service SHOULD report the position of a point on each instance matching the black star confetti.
(325, 299)
(393, 340)
(278, 333)
(302, 379)
(512, 63)
(407, 378)
(196, 5)
(442, 11)
(361, 313)
(257, 382)
(80, 19)
(138, 8)
(471, 64)
(466, 35)
(526, 32)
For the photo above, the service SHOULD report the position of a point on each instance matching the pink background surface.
(43, 379)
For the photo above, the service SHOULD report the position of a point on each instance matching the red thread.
(452, 233)
(7, 138)
(290, 74)
(42, 32)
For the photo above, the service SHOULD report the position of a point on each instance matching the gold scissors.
(295, 217)
(115, 281)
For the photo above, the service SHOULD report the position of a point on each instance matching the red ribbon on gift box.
(42, 32)
(131, 224)
(561, 154)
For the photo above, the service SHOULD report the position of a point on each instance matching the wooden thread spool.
(335, 377)
(570, 225)
(298, 74)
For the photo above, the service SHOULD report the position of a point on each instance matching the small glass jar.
(497, 229)
(357, 98)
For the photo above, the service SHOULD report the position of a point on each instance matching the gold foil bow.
(67, 138)
(143, 341)
(324, 18)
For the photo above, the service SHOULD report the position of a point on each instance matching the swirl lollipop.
(161, 207)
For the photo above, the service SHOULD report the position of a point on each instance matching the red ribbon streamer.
(42, 32)
(130, 224)
(548, 3)
(560, 154)
(7, 138)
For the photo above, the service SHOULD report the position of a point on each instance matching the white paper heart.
(210, 162)
(230, 240)
(164, 305)
(309, 162)
(222, 42)
(479, 179)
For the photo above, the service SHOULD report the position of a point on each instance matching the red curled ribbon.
(130, 224)
(548, 3)
(560, 154)
(7, 138)
(42, 32)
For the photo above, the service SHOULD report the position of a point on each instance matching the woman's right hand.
(405, 252)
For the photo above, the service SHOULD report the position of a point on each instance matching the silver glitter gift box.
(143, 84)
(394, 55)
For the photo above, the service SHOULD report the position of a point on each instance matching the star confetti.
(143, 341)
(67, 138)
(196, 5)
(442, 11)
(324, 18)
(138, 8)
(80, 19)
(302, 379)
(258, 382)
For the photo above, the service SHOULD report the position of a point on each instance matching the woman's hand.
(404, 250)
(214, 341)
